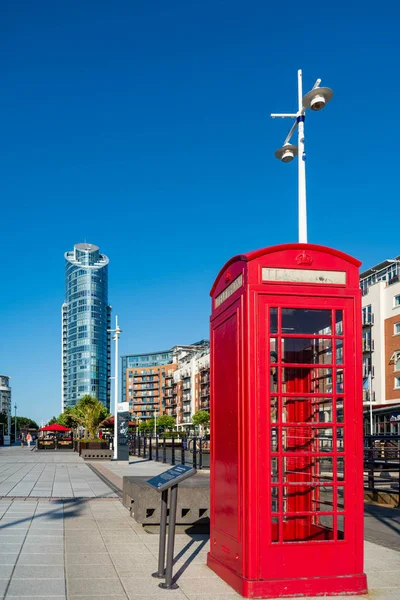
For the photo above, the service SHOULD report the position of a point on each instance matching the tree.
(68, 418)
(24, 422)
(166, 422)
(90, 413)
(146, 426)
(52, 421)
(202, 419)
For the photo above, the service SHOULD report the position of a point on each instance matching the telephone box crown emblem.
(304, 258)
(228, 276)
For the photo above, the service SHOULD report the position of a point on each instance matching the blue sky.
(143, 127)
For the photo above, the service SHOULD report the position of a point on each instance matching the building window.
(397, 329)
(397, 300)
(397, 362)
(397, 383)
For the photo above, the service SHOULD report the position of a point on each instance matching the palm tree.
(90, 413)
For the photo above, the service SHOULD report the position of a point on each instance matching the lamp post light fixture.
(117, 331)
(15, 424)
(315, 99)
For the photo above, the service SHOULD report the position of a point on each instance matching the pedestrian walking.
(29, 439)
(22, 438)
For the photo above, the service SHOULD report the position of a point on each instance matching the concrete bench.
(97, 454)
(144, 502)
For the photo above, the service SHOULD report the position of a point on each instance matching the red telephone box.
(286, 423)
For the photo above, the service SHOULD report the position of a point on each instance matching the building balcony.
(171, 403)
(156, 386)
(204, 393)
(186, 386)
(368, 345)
(366, 396)
(366, 371)
(368, 320)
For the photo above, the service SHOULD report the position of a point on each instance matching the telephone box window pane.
(307, 351)
(306, 410)
(307, 439)
(297, 498)
(324, 439)
(274, 499)
(273, 347)
(326, 522)
(302, 320)
(274, 470)
(339, 381)
(274, 439)
(275, 529)
(307, 469)
(311, 528)
(274, 380)
(273, 320)
(324, 410)
(274, 409)
(340, 439)
(340, 498)
(339, 409)
(339, 322)
(339, 351)
(307, 380)
(323, 498)
(340, 527)
(340, 468)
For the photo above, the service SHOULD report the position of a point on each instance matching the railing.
(194, 451)
(366, 396)
(382, 463)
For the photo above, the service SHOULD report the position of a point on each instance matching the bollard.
(164, 452)
(194, 453)
(144, 446)
(200, 454)
(173, 451)
(183, 452)
(139, 446)
(151, 448)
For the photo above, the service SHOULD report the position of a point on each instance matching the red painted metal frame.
(247, 550)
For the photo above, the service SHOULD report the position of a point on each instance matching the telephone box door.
(307, 382)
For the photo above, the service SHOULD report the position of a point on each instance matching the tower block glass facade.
(86, 345)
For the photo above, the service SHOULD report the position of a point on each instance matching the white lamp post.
(316, 100)
(155, 423)
(117, 331)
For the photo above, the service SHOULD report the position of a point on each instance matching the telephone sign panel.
(286, 424)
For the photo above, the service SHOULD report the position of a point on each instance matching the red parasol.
(54, 427)
(110, 421)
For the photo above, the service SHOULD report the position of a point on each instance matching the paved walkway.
(25, 473)
(81, 549)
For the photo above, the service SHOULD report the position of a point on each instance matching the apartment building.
(173, 382)
(143, 382)
(380, 287)
(191, 383)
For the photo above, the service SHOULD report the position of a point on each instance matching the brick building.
(173, 382)
(381, 346)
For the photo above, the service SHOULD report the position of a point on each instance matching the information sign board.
(171, 477)
(123, 440)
